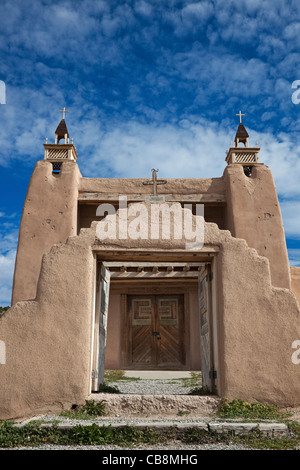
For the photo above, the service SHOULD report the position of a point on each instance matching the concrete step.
(238, 428)
(158, 406)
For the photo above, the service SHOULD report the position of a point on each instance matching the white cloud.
(294, 256)
(132, 149)
(291, 217)
(144, 8)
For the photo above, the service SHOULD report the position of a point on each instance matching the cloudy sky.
(148, 83)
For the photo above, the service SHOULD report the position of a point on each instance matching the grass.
(195, 380)
(254, 440)
(241, 409)
(35, 435)
(117, 375)
(89, 410)
(195, 383)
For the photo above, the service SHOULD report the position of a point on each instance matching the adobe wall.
(295, 281)
(49, 216)
(48, 340)
(257, 322)
(253, 214)
(128, 186)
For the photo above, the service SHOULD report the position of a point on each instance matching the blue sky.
(148, 83)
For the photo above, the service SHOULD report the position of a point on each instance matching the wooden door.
(100, 328)
(205, 328)
(156, 331)
(170, 325)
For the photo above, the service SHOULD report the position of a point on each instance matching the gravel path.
(152, 387)
(175, 446)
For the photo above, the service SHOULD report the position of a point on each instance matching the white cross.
(240, 114)
(64, 111)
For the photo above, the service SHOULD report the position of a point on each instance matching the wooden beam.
(96, 197)
(147, 264)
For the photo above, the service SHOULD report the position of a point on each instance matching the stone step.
(129, 405)
(269, 429)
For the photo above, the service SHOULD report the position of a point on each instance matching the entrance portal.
(156, 331)
(157, 316)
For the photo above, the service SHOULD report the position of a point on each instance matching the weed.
(294, 429)
(195, 380)
(195, 435)
(90, 409)
(202, 391)
(90, 435)
(241, 409)
(256, 440)
(116, 375)
(183, 413)
(104, 388)
(35, 435)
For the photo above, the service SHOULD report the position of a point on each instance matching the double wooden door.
(155, 331)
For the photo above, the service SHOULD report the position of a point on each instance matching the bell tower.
(246, 156)
(58, 152)
(50, 210)
(253, 210)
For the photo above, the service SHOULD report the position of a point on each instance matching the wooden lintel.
(96, 197)
(109, 253)
(146, 264)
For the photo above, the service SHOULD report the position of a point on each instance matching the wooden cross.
(155, 181)
(240, 114)
(64, 111)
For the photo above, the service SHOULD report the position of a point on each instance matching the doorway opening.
(154, 321)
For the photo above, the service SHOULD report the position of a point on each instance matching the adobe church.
(142, 297)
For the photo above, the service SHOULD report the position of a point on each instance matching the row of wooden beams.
(151, 275)
(127, 270)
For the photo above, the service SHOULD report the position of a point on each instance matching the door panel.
(170, 348)
(100, 327)
(156, 333)
(204, 306)
(141, 315)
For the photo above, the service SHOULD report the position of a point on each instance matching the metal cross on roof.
(240, 114)
(64, 111)
(155, 181)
